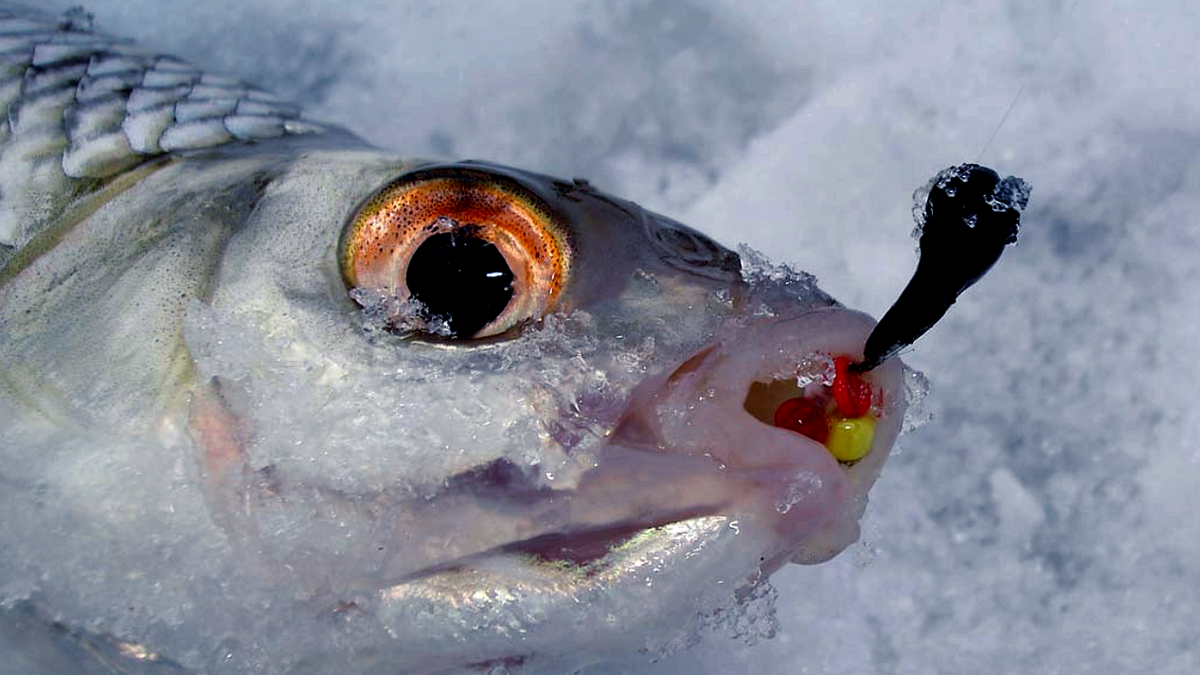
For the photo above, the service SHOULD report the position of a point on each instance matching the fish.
(276, 401)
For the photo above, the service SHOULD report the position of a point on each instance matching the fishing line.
(1025, 80)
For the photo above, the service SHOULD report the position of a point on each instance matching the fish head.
(500, 416)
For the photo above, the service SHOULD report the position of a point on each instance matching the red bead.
(852, 394)
(804, 417)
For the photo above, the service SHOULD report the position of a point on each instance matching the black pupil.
(460, 279)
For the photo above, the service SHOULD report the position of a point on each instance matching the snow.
(1043, 521)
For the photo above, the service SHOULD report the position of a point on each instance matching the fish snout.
(768, 424)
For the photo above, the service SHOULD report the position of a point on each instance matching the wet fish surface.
(274, 401)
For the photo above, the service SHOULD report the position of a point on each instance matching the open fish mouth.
(705, 438)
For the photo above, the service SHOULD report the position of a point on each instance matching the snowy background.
(1045, 520)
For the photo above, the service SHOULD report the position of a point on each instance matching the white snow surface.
(1044, 520)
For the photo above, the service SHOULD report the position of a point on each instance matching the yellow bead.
(850, 439)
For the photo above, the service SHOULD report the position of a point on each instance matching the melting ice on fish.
(274, 401)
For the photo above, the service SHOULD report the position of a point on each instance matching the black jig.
(969, 217)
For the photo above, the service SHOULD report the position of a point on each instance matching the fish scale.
(81, 107)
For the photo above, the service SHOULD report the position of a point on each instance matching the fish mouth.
(702, 439)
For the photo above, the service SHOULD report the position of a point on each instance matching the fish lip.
(587, 549)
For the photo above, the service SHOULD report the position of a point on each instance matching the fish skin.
(134, 250)
(81, 107)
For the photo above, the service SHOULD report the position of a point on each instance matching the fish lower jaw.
(648, 576)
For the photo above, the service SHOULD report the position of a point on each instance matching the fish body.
(237, 437)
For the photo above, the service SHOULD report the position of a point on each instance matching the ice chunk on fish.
(277, 402)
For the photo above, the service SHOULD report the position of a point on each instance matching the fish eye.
(465, 253)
